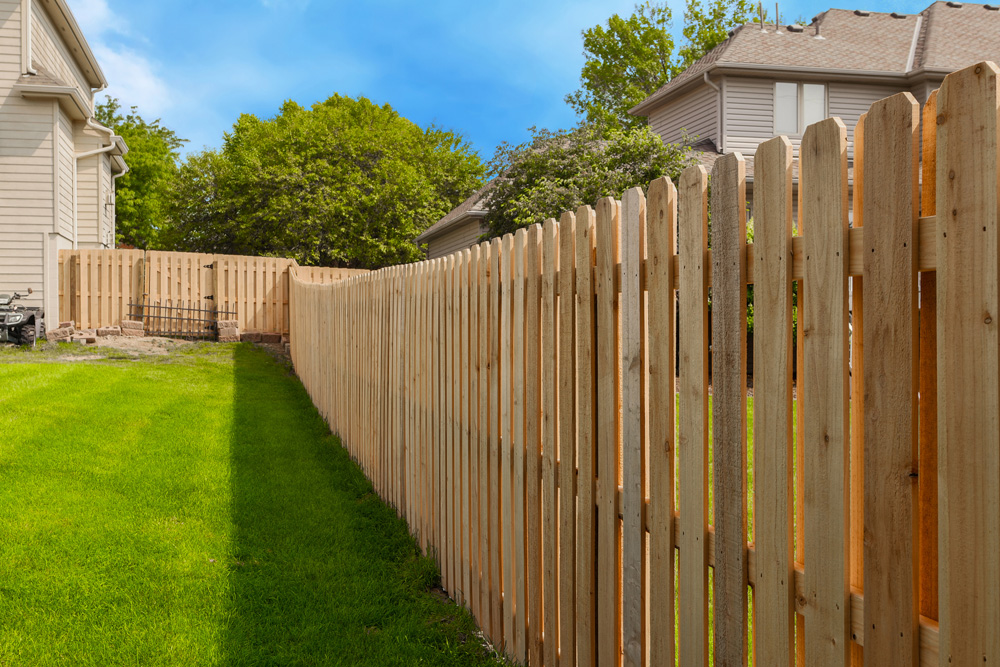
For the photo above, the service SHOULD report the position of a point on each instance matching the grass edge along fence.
(515, 402)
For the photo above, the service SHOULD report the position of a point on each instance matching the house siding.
(65, 172)
(49, 50)
(749, 118)
(848, 101)
(458, 237)
(696, 114)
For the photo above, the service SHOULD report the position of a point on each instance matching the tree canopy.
(343, 183)
(629, 59)
(560, 171)
(142, 195)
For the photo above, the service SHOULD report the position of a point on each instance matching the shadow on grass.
(322, 571)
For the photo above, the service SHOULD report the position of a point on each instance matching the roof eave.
(648, 105)
(61, 15)
(69, 98)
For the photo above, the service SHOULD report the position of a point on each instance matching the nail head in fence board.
(486, 470)
(633, 216)
(496, 430)
(857, 390)
(927, 479)
(608, 402)
(729, 406)
(565, 433)
(772, 426)
(532, 440)
(693, 445)
(890, 274)
(550, 442)
(969, 405)
(506, 422)
(586, 428)
(826, 463)
(661, 213)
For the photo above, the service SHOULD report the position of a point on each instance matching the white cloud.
(132, 77)
(96, 19)
(133, 80)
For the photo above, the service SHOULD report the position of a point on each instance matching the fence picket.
(827, 450)
(550, 443)
(633, 223)
(772, 435)
(729, 407)
(661, 213)
(693, 442)
(890, 273)
(564, 432)
(586, 429)
(607, 442)
(533, 441)
(969, 396)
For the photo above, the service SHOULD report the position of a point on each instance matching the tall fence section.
(516, 403)
(99, 288)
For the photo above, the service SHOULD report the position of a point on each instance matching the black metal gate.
(177, 320)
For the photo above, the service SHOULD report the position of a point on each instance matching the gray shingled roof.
(945, 36)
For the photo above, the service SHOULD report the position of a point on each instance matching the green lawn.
(193, 509)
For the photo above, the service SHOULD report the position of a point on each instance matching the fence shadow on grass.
(322, 571)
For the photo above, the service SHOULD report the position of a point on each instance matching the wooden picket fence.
(96, 286)
(516, 403)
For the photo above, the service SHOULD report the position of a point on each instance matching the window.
(797, 106)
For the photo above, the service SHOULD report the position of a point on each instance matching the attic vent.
(795, 28)
(731, 33)
(897, 15)
(861, 12)
(956, 5)
(991, 8)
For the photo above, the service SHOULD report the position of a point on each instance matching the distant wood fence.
(96, 286)
(516, 403)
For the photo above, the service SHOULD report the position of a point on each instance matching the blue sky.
(488, 70)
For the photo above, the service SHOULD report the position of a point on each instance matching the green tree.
(141, 195)
(629, 59)
(626, 61)
(560, 171)
(705, 27)
(343, 183)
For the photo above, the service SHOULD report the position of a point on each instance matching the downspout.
(27, 66)
(718, 110)
(104, 149)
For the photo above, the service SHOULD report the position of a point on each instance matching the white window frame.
(799, 103)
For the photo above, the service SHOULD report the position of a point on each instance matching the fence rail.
(519, 404)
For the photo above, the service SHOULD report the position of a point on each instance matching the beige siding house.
(459, 229)
(767, 80)
(57, 164)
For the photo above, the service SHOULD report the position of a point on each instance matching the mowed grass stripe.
(194, 509)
